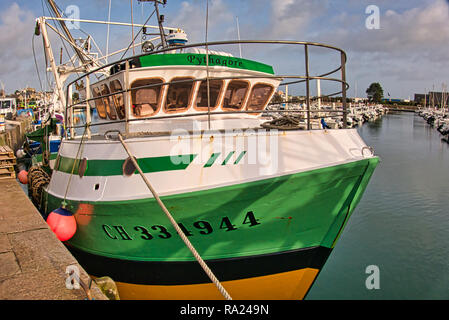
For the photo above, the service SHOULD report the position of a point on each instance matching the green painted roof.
(196, 59)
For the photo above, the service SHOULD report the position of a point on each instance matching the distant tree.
(75, 97)
(375, 92)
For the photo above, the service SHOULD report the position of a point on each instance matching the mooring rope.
(37, 179)
(175, 224)
(285, 122)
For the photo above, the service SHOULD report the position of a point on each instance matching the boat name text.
(214, 60)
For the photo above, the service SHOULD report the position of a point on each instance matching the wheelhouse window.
(179, 95)
(107, 102)
(117, 99)
(259, 96)
(215, 87)
(99, 104)
(235, 95)
(145, 96)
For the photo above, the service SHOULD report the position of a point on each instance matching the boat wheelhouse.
(177, 84)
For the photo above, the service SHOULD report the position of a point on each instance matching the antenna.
(160, 19)
(238, 35)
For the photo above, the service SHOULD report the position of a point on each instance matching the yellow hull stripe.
(292, 285)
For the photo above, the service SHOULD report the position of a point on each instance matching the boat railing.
(285, 81)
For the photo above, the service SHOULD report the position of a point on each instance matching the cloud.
(293, 17)
(192, 19)
(16, 29)
(286, 19)
(413, 29)
(408, 52)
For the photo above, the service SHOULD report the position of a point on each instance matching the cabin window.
(99, 104)
(145, 95)
(107, 102)
(259, 96)
(215, 87)
(235, 95)
(178, 95)
(117, 99)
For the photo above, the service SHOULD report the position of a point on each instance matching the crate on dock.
(7, 162)
(6, 151)
(7, 173)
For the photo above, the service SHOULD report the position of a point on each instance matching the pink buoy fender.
(23, 176)
(62, 222)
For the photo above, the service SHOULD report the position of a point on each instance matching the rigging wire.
(45, 56)
(35, 63)
(60, 37)
(137, 34)
(132, 28)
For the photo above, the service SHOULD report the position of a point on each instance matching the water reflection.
(401, 222)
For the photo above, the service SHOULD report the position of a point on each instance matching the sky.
(404, 47)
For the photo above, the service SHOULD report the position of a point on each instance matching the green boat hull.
(249, 230)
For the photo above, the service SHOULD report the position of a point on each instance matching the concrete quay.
(33, 262)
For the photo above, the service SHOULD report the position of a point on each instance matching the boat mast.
(51, 59)
(78, 52)
(61, 75)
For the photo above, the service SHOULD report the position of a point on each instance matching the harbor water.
(401, 225)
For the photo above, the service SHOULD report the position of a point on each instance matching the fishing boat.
(189, 188)
(42, 143)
